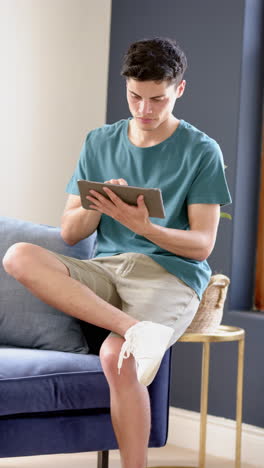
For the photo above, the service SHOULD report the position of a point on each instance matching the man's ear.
(181, 88)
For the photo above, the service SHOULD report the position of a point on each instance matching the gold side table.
(223, 333)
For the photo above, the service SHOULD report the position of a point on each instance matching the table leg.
(240, 371)
(204, 402)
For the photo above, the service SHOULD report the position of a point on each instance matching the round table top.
(222, 333)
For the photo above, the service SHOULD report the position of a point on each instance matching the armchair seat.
(34, 381)
(55, 402)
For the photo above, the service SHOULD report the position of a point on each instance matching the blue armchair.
(57, 401)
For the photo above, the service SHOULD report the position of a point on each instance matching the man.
(148, 276)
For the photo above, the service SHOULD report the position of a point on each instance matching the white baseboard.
(220, 441)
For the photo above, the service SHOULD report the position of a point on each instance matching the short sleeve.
(209, 184)
(82, 170)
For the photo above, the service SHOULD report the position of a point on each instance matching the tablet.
(129, 194)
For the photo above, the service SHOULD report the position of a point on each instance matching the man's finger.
(97, 197)
(113, 197)
(116, 181)
(123, 182)
(140, 201)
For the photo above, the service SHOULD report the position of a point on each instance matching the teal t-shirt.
(188, 167)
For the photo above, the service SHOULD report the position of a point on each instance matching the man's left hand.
(135, 218)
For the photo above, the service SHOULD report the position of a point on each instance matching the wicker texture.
(210, 311)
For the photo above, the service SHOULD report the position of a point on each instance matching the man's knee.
(109, 354)
(109, 358)
(17, 257)
(22, 259)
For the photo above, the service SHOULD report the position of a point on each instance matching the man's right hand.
(78, 223)
(116, 181)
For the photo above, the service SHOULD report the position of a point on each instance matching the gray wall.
(223, 97)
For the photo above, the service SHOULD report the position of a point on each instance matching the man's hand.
(116, 182)
(135, 218)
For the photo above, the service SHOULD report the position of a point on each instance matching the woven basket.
(210, 311)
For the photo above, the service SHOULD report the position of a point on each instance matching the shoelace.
(128, 347)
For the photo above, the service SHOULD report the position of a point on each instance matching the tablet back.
(129, 194)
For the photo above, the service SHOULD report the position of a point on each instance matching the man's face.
(152, 103)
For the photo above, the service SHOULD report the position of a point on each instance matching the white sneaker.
(148, 342)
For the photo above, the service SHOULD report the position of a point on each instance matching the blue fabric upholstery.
(25, 320)
(26, 432)
(35, 381)
(46, 434)
(58, 402)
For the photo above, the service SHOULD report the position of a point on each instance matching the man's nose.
(145, 107)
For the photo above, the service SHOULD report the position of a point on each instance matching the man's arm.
(198, 242)
(78, 223)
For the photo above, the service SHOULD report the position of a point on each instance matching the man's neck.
(146, 138)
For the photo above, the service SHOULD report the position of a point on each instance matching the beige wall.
(53, 84)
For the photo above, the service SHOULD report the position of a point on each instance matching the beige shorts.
(139, 286)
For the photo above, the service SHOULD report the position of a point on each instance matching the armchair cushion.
(25, 321)
(41, 381)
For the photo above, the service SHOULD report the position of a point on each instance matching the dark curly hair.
(155, 59)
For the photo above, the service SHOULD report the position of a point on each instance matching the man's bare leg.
(130, 406)
(48, 279)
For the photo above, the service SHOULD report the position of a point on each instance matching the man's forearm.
(79, 223)
(190, 244)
